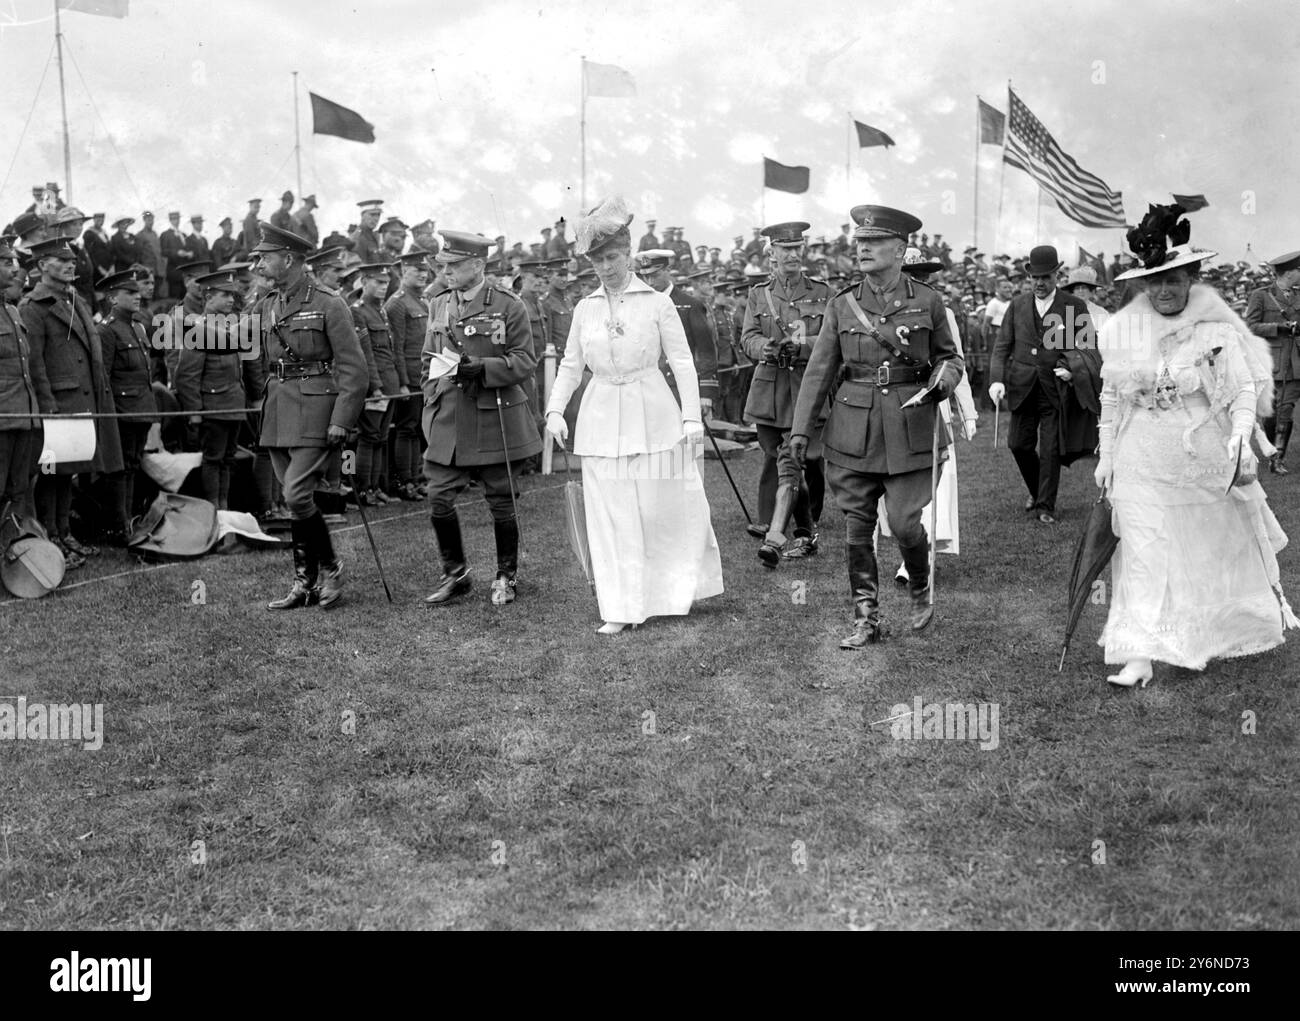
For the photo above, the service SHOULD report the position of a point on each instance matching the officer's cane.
(934, 497)
(505, 446)
(352, 479)
(723, 461)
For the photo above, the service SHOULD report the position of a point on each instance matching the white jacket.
(627, 408)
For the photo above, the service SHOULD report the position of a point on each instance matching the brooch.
(470, 329)
(615, 327)
(901, 332)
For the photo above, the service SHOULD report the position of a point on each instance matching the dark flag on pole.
(869, 136)
(331, 119)
(993, 124)
(779, 177)
(1191, 203)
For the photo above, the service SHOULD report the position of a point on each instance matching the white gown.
(653, 550)
(1195, 576)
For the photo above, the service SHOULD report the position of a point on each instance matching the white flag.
(608, 80)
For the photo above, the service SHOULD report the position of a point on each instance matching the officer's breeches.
(858, 496)
(446, 482)
(300, 471)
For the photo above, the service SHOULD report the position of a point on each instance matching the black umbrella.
(1091, 555)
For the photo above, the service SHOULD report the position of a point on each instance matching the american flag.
(1081, 196)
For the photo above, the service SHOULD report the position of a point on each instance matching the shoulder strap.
(876, 335)
(771, 306)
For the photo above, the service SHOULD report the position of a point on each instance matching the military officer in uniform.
(376, 342)
(368, 243)
(408, 319)
(882, 342)
(652, 267)
(126, 355)
(209, 384)
(67, 369)
(20, 438)
(782, 319)
(1274, 314)
(476, 417)
(315, 392)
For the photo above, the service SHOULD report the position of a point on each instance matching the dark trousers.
(121, 485)
(19, 450)
(447, 481)
(54, 504)
(217, 444)
(300, 470)
(775, 443)
(372, 445)
(858, 496)
(408, 440)
(1035, 442)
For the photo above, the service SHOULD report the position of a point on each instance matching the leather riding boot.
(864, 585)
(455, 579)
(331, 568)
(917, 561)
(769, 554)
(303, 591)
(507, 539)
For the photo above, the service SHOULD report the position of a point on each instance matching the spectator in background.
(225, 248)
(305, 221)
(124, 248)
(151, 250)
(282, 217)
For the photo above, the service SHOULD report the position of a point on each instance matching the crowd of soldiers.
(83, 308)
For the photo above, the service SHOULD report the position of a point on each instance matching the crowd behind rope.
(96, 353)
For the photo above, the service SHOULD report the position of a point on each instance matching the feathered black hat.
(1161, 242)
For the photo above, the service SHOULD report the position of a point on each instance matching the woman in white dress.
(1195, 576)
(949, 538)
(653, 552)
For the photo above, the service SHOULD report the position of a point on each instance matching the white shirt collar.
(1045, 303)
(634, 284)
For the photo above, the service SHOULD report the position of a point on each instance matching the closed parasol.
(1095, 548)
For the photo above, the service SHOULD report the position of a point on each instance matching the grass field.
(511, 768)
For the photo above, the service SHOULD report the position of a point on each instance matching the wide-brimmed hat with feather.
(1161, 243)
(602, 225)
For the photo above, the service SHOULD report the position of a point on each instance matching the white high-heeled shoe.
(1135, 671)
(612, 628)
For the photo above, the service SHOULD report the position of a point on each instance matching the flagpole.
(975, 228)
(1038, 216)
(582, 132)
(1002, 172)
(297, 144)
(848, 161)
(63, 105)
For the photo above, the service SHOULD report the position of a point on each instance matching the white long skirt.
(1195, 576)
(653, 552)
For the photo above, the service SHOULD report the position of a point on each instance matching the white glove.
(706, 407)
(1064, 375)
(1104, 476)
(996, 392)
(693, 433)
(968, 429)
(557, 427)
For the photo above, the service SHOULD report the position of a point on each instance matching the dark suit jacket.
(1029, 349)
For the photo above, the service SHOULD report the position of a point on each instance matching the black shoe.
(299, 594)
(503, 589)
(871, 631)
(1276, 466)
(757, 531)
(408, 493)
(769, 555)
(80, 548)
(71, 559)
(450, 585)
(303, 591)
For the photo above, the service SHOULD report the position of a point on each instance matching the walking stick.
(352, 481)
(721, 460)
(997, 407)
(505, 446)
(934, 497)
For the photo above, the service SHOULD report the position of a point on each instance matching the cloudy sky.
(189, 105)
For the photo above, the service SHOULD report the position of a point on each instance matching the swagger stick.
(934, 498)
(352, 480)
(723, 461)
(505, 446)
